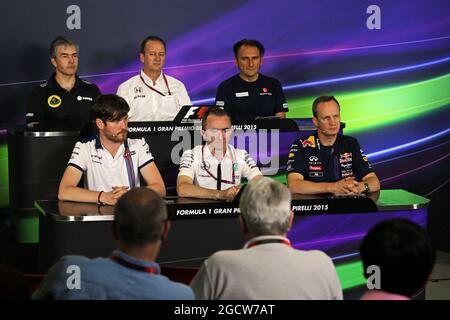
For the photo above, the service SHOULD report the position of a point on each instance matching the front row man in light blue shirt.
(130, 272)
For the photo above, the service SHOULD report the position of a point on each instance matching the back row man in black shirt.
(64, 101)
(251, 94)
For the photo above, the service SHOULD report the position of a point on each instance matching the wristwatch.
(366, 187)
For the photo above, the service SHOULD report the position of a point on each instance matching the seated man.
(153, 95)
(329, 162)
(109, 161)
(405, 258)
(65, 100)
(251, 94)
(214, 170)
(268, 267)
(130, 272)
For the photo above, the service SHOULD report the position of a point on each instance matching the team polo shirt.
(248, 100)
(53, 107)
(149, 105)
(101, 170)
(318, 163)
(201, 166)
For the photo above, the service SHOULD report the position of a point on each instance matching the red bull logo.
(310, 142)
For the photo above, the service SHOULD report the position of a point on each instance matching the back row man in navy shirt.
(251, 94)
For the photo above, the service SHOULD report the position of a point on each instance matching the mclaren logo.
(54, 101)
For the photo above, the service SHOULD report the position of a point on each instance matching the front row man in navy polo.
(109, 161)
(140, 226)
(328, 162)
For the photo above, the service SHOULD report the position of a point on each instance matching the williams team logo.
(54, 101)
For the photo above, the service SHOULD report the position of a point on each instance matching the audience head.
(265, 207)
(140, 218)
(404, 254)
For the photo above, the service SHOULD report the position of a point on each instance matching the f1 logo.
(191, 112)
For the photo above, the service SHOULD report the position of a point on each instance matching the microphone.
(323, 131)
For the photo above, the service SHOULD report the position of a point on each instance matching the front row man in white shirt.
(215, 170)
(109, 162)
(153, 95)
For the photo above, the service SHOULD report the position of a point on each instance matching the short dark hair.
(109, 107)
(322, 99)
(402, 251)
(139, 217)
(60, 41)
(248, 42)
(152, 38)
(215, 111)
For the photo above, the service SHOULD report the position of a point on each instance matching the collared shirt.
(101, 170)
(53, 107)
(263, 271)
(196, 163)
(248, 100)
(253, 241)
(148, 105)
(318, 163)
(103, 278)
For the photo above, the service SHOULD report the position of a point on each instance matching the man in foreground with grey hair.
(268, 267)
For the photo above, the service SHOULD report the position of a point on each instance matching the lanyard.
(157, 91)
(129, 166)
(133, 266)
(204, 167)
(265, 241)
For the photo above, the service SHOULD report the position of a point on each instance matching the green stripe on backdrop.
(4, 176)
(369, 109)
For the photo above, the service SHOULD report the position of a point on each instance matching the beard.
(120, 136)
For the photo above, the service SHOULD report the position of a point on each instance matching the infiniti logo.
(313, 158)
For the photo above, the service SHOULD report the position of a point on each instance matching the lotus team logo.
(54, 101)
